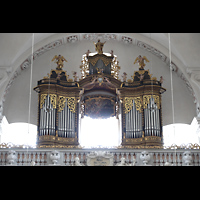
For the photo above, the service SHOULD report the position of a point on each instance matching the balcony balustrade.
(74, 157)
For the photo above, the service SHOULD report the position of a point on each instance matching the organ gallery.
(99, 93)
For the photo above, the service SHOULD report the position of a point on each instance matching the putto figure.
(88, 52)
(75, 76)
(124, 76)
(99, 46)
(140, 60)
(59, 61)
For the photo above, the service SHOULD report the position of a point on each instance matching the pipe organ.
(100, 93)
(58, 111)
(141, 110)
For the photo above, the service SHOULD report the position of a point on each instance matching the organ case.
(100, 93)
(58, 111)
(141, 110)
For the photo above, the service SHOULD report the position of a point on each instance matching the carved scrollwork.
(128, 101)
(157, 100)
(61, 103)
(53, 98)
(93, 59)
(71, 103)
(42, 99)
(146, 100)
(129, 104)
(138, 104)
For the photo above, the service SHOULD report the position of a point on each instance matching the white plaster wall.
(16, 104)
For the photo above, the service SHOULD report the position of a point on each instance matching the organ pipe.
(133, 123)
(50, 113)
(147, 110)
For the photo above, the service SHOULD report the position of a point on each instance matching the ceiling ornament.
(72, 38)
(95, 36)
(127, 40)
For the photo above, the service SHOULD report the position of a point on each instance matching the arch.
(129, 39)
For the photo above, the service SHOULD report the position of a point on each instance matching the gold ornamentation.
(140, 147)
(146, 100)
(129, 104)
(140, 60)
(152, 138)
(128, 101)
(59, 146)
(59, 61)
(84, 67)
(71, 102)
(129, 80)
(42, 99)
(157, 100)
(99, 46)
(50, 141)
(134, 140)
(115, 68)
(47, 137)
(67, 140)
(61, 103)
(53, 98)
(106, 59)
(138, 103)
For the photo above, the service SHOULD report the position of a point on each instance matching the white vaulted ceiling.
(15, 51)
(185, 46)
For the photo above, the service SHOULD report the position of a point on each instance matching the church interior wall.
(16, 103)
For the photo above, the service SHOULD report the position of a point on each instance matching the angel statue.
(140, 60)
(99, 47)
(59, 61)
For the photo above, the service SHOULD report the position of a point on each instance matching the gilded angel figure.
(140, 60)
(59, 61)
